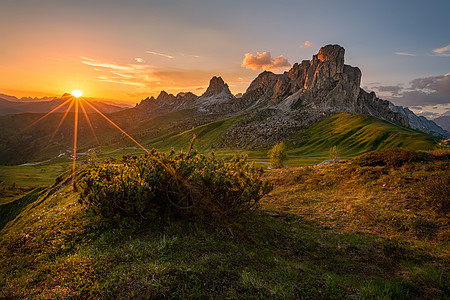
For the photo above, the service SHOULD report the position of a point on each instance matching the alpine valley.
(323, 92)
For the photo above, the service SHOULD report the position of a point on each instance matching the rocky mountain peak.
(216, 86)
(66, 96)
(326, 67)
(164, 96)
(333, 53)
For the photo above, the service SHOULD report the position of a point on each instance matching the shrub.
(395, 157)
(277, 155)
(161, 184)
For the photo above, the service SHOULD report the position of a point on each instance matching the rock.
(216, 87)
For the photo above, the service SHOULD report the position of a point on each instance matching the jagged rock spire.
(216, 86)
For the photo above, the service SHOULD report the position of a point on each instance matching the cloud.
(427, 114)
(190, 55)
(265, 61)
(394, 89)
(129, 74)
(405, 54)
(417, 98)
(148, 80)
(139, 60)
(440, 84)
(160, 54)
(306, 44)
(444, 51)
(431, 90)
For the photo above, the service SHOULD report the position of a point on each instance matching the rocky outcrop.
(305, 94)
(165, 103)
(217, 98)
(216, 87)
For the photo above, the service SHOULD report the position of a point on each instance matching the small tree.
(277, 155)
(334, 153)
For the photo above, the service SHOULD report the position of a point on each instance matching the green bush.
(277, 155)
(161, 184)
(395, 157)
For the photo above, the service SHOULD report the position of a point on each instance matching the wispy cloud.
(444, 51)
(130, 74)
(393, 89)
(148, 80)
(139, 59)
(160, 54)
(306, 44)
(405, 53)
(265, 61)
(190, 55)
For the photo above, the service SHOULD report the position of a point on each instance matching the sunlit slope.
(354, 134)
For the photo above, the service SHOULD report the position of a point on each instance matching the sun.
(77, 93)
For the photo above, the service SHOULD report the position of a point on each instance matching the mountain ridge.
(282, 104)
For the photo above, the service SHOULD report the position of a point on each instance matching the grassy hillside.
(354, 134)
(326, 232)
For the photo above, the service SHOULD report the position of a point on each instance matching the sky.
(133, 49)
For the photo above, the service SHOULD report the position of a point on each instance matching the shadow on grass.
(9, 211)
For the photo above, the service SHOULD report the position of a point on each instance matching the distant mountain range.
(275, 107)
(443, 121)
(14, 105)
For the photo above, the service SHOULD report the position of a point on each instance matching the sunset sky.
(128, 50)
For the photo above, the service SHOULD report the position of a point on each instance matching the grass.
(32, 175)
(325, 232)
(354, 134)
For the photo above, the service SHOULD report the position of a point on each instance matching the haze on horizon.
(129, 50)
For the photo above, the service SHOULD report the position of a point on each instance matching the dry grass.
(386, 201)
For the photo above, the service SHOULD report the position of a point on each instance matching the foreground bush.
(161, 184)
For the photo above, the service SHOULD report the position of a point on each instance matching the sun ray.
(88, 121)
(75, 138)
(45, 116)
(117, 127)
(168, 168)
(59, 124)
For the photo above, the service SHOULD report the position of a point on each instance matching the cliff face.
(280, 104)
(324, 84)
